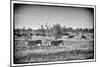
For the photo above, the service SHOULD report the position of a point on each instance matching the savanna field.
(72, 49)
(51, 33)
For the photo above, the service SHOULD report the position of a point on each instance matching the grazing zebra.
(56, 43)
(35, 43)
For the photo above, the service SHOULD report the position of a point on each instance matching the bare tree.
(47, 27)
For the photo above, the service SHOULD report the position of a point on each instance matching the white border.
(55, 4)
(11, 32)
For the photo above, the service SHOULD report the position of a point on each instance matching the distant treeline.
(63, 29)
(56, 30)
(69, 29)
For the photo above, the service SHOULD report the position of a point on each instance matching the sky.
(33, 16)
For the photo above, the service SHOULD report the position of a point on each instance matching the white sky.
(33, 16)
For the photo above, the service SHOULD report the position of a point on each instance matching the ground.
(73, 49)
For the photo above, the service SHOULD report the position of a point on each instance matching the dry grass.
(73, 49)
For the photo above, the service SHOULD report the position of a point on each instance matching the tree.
(42, 29)
(56, 31)
(47, 28)
(64, 30)
(23, 28)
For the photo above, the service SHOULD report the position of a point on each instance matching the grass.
(59, 56)
(71, 50)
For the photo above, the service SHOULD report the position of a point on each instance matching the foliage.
(56, 31)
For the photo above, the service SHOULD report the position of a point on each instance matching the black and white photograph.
(50, 33)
